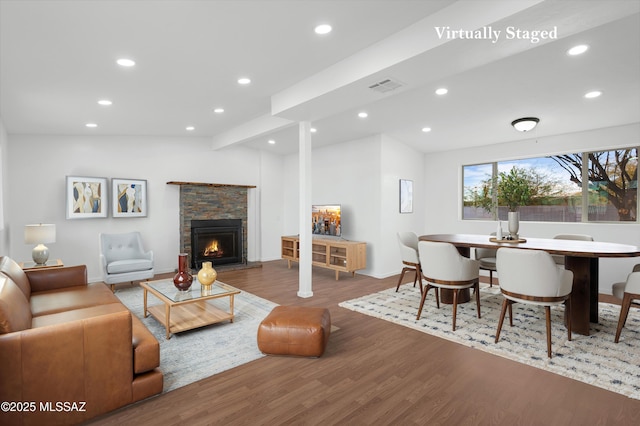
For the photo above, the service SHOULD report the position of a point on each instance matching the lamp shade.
(42, 233)
(525, 124)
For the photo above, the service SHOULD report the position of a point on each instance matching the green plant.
(515, 188)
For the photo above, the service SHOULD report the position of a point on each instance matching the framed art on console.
(129, 197)
(86, 197)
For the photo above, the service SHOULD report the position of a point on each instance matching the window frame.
(584, 189)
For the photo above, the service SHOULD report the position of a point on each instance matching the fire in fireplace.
(218, 241)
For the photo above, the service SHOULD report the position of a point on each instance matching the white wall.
(4, 185)
(363, 176)
(39, 165)
(443, 214)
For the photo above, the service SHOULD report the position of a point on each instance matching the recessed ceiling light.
(190, 128)
(578, 50)
(442, 91)
(271, 141)
(244, 80)
(593, 94)
(363, 114)
(124, 62)
(313, 130)
(426, 129)
(105, 102)
(91, 125)
(323, 29)
(218, 110)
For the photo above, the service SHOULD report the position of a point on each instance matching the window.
(557, 188)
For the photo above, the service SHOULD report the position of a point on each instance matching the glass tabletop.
(196, 291)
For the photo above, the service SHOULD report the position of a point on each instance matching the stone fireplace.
(209, 206)
(218, 241)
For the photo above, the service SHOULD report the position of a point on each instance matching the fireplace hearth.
(218, 241)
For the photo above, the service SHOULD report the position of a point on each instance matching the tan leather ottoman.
(295, 330)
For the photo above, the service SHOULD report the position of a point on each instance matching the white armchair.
(629, 292)
(532, 277)
(123, 258)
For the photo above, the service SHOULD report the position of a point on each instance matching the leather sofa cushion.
(11, 269)
(78, 297)
(76, 314)
(146, 349)
(15, 314)
(129, 265)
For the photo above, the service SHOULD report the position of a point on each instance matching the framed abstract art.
(129, 197)
(406, 196)
(86, 197)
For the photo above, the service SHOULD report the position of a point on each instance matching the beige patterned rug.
(593, 359)
(196, 354)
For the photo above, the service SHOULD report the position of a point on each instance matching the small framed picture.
(129, 197)
(406, 196)
(86, 197)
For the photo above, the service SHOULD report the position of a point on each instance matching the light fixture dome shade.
(525, 124)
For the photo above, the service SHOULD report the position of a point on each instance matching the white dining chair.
(444, 267)
(532, 277)
(408, 242)
(559, 260)
(629, 293)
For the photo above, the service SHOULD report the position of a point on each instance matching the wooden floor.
(374, 372)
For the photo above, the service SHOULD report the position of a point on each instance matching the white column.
(304, 285)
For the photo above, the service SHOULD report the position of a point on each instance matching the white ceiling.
(57, 59)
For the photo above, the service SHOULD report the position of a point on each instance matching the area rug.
(593, 359)
(196, 354)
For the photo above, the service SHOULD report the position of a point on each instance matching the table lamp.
(40, 234)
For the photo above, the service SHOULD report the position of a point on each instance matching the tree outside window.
(551, 188)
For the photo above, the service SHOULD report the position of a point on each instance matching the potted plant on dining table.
(515, 189)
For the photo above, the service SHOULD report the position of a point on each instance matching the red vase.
(183, 279)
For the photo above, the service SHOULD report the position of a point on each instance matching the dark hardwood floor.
(374, 372)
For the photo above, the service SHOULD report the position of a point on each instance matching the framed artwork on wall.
(129, 197)
(406, 196)
(86, 197)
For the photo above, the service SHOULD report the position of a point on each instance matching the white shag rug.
(593, 359)
(193, 355)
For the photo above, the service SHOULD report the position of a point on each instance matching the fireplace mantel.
(216, 185)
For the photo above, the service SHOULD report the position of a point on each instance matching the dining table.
(581, 258)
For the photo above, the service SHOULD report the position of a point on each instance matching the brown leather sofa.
(69, 350)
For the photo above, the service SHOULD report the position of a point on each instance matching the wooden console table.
(338, 255)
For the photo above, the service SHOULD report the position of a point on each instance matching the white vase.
(514, 224)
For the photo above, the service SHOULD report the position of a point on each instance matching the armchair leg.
(113, 288)
(424, 296)
(455, 307)
(476, 288)
(547, 310)
(624, 312)
(505, 303)
(567, 305)
(401, 277)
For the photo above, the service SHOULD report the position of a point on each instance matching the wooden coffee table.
(186, 310)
